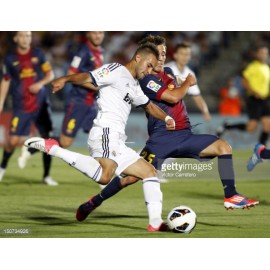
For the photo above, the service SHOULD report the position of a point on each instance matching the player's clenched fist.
(170, 124)
(58, 84)
(191, 79)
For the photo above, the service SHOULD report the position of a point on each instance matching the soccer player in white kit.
(118, 90)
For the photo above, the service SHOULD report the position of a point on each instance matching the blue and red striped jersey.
(87, 58)
(24, 70)
(153, 86)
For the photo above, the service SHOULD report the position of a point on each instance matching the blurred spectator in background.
(230, 100)
(256, 81)
(182, 56)
(26, 72)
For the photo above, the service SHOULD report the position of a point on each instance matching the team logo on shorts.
(103, 72)
(71, 125)
(153, 86)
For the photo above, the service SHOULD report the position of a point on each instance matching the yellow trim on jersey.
(258, 76)
(46, 67)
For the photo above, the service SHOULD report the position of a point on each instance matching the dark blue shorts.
(175, 144)
(78, 115)
(21, 121)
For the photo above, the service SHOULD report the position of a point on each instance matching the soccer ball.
(182, 219)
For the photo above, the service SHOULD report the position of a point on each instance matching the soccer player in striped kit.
(26, 73)
(162, 89)
(118, 89)
(80, 104)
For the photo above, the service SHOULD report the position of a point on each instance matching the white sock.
(85, 164)
(153, 200)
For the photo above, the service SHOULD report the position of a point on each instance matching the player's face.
(263, 54)
(182, 56)
(23, 39)
(162, 58)
(95, 37)
(145, 65)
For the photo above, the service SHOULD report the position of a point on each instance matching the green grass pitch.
(49, 212)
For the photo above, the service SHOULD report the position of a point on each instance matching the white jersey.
(118, 90)
(193, 90)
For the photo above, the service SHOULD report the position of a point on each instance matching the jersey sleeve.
(78, 61)
(140, 99)
(106, 75)
(44, 63)
(194, 91)
(152, 86)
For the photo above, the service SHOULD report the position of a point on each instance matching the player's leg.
(259, 152)
(100, 166)
(114, 186)
(265, 129)
(152, 192)
(74, 117)
(222, 150)
(8, 151)
(19, 127)
(124, 157)
(98, 169)
(254, 112)
(44, 125)
(227, 126)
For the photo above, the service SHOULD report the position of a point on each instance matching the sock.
(265, 154)
(240, 126)
(153, 200)
(263, 137)
(5, 158)
(47, 160)
(226, 173)
(85, 164)
(57, 139)
(110, 190)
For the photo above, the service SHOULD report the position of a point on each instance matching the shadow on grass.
(18, 180)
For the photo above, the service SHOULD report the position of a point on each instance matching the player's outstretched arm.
(175, 95)
(158, 113)
(78, 79)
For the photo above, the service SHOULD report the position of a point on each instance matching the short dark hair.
(182, 45)
(155, 39)
(147, 48)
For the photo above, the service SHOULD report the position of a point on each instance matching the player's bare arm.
(86, 85)
(173, 96)
(35, 87)
(3, 93)
(158, 113)
(78, 79)
(201, 104)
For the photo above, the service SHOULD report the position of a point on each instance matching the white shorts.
(106, 143)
